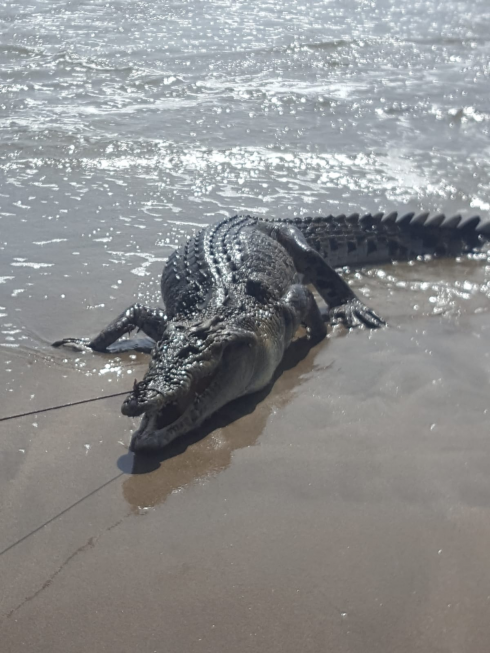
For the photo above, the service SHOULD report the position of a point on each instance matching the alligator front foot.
(354, 314)
(78, 344)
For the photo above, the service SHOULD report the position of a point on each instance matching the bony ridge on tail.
(236, 293)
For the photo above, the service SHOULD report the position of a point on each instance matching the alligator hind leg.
(344, 305)
(152, 321)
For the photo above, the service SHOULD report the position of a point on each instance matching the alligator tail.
(357, 240)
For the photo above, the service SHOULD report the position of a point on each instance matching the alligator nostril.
(131, 407)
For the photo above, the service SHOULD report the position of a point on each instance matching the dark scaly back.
(372, 239)
(186, 277)
(228, 261)
(200, 274)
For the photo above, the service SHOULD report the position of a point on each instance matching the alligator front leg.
(344, 305)
(301, 308)
(150, 320)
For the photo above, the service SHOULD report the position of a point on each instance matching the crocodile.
(236, 293)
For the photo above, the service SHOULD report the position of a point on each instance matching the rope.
(72, 403)
(45, 410)
(63, 512)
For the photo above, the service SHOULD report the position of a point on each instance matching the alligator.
(236, 293)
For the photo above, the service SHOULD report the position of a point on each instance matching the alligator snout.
(140, 400)
(131, 407)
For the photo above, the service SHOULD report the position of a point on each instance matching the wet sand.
(345, 510)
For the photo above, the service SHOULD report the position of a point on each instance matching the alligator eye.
(201, 332)
(188, 350)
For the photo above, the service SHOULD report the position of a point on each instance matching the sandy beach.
(345, 511)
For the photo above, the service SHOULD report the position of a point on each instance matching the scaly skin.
(236, 293)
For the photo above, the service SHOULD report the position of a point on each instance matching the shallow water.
(126, 126)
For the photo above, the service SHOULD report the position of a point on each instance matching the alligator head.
(195, 369)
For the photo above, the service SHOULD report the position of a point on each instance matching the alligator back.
(222, 265)
(219, 264)
(372, 239)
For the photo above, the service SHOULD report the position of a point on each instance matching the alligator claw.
(354, 314)
(78, 344)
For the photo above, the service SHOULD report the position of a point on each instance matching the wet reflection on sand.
(203, 454)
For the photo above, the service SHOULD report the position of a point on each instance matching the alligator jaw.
(151, 435)
(159, 427)
(157, 430)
